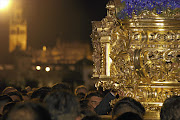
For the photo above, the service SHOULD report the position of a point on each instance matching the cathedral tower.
(17, 29)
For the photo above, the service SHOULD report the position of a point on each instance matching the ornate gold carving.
(144, 55)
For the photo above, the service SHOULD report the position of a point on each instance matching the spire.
(17, 27)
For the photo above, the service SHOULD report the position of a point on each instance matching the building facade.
(17, 30)
(46, 66)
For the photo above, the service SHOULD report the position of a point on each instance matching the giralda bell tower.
(17, 28)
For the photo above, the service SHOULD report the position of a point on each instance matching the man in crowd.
(171, 109)
(8, 90)
(93, 99)
(80, 89)
(63, 105)
(128, 104)
(15, 96)
(28, 111)
(4, 99)
(128, 116)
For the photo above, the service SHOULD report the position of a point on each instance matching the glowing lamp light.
(38, 68)
(44, 48)
(4, 3)
(47, 69)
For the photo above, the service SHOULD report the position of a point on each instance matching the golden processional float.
(137, 50)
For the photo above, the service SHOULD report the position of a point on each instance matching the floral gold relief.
(143, 57)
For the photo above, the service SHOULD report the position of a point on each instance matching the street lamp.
(4, 4)
(47, 69)
(38, 68)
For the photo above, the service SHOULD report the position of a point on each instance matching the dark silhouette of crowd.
(61, 103)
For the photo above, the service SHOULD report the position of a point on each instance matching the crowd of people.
(61, 103)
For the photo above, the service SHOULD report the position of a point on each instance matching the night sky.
(48, 19)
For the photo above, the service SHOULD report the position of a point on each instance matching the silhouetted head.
(85, 110)
(62, 105)
(80, 96)
(28, 111)
(128, 105)
(94, 98)
(4, 99)
(9, 89)
(129, 116)
(61, 86)
(80, 89)
(171, 109)
(15, 96)
(7, 108)
(40, 93)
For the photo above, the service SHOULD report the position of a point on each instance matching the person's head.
(63, 105)
(80, 89)
(85, 110)
(28, 89)
(171, 109)
(15, 96)
(9, 89)
(128, 116)
(61, 86)
(94, 98)
(25, 96)
(28, 111)
(80, 96)
(7, 108)
(40, 93)
(24, 92)
(4, 99)
(128, 105)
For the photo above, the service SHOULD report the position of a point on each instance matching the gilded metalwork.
(139, 56)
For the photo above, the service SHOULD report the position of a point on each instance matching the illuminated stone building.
(46, 66)
(63, 53)
(17, 30)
